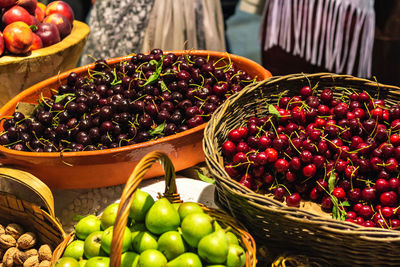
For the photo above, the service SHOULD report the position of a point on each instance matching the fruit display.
(341, 151)
(21, 248)
(27, 25)
(158, 233)
(140, 99)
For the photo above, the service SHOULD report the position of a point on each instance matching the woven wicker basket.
(171, 193)
(272, 222)
(15, 208)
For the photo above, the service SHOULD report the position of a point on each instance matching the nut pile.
(20, 248)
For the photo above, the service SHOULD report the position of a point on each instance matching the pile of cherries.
(342, 153)
(147, 97)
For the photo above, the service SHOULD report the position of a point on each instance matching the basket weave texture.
(171, 193)
(272, 222)
(14, 209)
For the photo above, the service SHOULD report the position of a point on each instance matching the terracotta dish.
(90, 169)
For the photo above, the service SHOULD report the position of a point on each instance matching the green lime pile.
(158, 234)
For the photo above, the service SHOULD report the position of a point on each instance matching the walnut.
(32, 262)
(45, 253)
(26, 241)
(20, 257)
(8, 258)
(45, 264)
(31, 252)
(7, 241)
(2, 230)
(15, 230)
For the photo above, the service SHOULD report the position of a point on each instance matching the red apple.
(1, 44)
(29, 5)
(63, 25)
(42, 7)
(62, 8)
(18, 37)
(16, 13)
(37, 42)
(7, 3)
(35, 21)
(48, 33)
(39, 13)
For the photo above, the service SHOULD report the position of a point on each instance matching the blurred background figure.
(228, 10)
(318, 35)
(117, 28)
(123, 27)
(179, 24)
(386, 54)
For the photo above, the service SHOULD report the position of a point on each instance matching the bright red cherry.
(351, 215)
(272, 155)
(339, 193)
(322, 185)
(293, 200)
(247, 181)
(290, 176)
(315, 194)
(281, 165)
(327, 203)
(234, 135)
(243, 131)
(228, 148)
(377, 113)
(309, 170)
(391, 165)
(387, 212)
(305, 91)
(395, 139)
(366, 211)
(381, 185)
(239, 158)
(368, 194)
(388, 199)
(232, 172)
(242, 147)
(261, 158)
(355, 195)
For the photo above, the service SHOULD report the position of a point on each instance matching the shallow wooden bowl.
(19, 72)
(90, 169)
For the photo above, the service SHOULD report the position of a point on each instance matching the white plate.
(93, 201)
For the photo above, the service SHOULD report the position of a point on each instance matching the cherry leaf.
(60, 98)
(77, 217)
(205, 178)
(26, 108)
(332, 182)
(345, 204)
(153, 62)
(115, 81)
(158, 130)
(335, 213)
(154, 77)
(164, 87)
(273, 111)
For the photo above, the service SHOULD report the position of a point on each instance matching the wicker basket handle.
(31, 182)
(128, 193)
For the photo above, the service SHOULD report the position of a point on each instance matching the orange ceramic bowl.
(90, 169)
